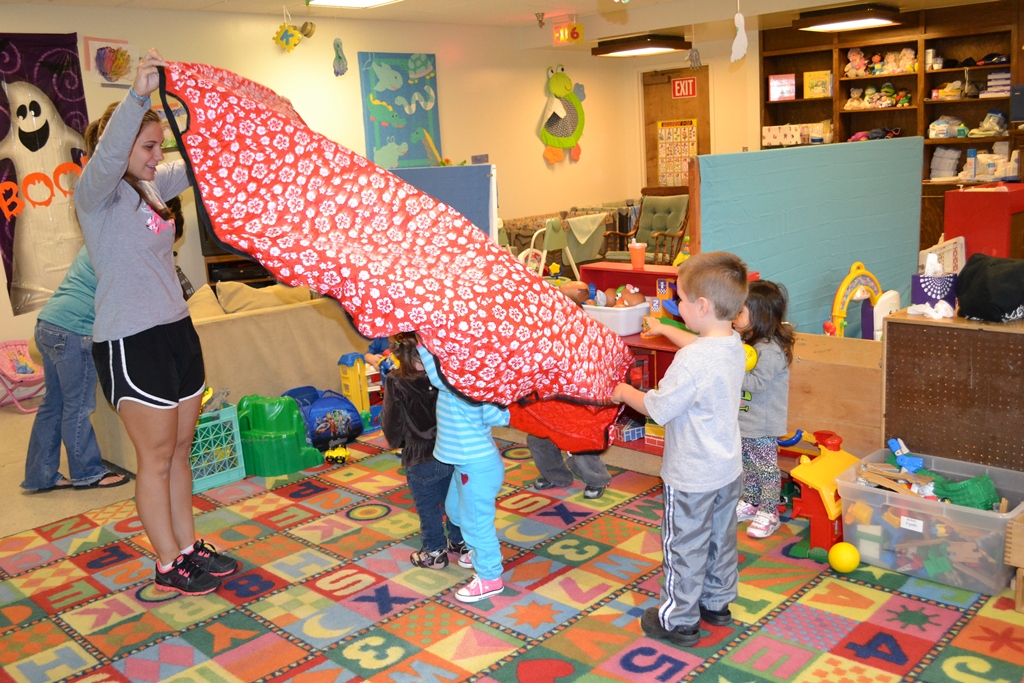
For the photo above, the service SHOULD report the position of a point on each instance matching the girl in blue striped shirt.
(464, 441)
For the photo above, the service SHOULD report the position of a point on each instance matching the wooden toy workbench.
(955, 388)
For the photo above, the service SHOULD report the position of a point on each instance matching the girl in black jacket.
(409, 422)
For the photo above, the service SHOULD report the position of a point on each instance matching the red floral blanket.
(316, 214)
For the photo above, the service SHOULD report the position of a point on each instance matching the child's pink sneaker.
(479, 589)
(745, 511)
(764, 525)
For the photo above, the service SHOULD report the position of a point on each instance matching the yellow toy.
(859, 284)
(336, 456)
(354, 386)
(751, 357)
(844, 557)
(818, 499)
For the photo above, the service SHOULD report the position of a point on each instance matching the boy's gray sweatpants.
(698, 536)
(553, 467)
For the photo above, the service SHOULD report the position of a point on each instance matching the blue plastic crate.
(216, 457)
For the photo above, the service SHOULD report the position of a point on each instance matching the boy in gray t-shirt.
(698, 401)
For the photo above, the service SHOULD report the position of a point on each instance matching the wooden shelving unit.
(953, 32)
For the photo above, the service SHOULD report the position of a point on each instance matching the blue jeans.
(429, 482)
(70, 379)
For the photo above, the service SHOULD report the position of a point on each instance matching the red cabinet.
(991, 222)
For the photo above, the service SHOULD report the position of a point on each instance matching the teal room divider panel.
(802, 216)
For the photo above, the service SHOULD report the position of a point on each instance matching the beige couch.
(264, 350)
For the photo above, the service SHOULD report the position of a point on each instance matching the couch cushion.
(203, 304)
(236, 296)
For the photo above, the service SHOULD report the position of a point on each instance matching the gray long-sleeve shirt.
(697, 401)
(763, 410)
(137, 287)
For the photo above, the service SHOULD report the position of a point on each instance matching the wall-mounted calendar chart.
(677, 142)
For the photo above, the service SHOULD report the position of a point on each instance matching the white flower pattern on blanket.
(316, 214)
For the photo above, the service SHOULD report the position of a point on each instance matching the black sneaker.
(716, 617)
(434, 559)
(542, 484)
(212, 562)
(457, 548)
(464, 553)
(592, 492)
(185, 577)
(684, 636)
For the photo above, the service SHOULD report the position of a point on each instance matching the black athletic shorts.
(157, 367)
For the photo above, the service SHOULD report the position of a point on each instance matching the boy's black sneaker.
(542, 484)
(716, 617)
(212, 562)
(592, 492)
(185, 577)
(684, 636)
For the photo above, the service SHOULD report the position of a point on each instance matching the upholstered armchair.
(662, 224)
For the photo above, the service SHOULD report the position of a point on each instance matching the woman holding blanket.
(147, 352)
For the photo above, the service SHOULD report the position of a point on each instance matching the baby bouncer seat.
(18, 371)
(554, 238)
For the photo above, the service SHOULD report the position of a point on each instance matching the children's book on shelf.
(817, 84)
(782, 87)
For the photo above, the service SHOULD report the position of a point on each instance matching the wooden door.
(660, 105)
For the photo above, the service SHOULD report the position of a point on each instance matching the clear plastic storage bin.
(952, 544)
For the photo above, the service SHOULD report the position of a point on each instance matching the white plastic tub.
(621, 321)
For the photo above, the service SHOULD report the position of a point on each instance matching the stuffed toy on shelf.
(908, 60)
(856, 100)
(857, 65)
(877, 65)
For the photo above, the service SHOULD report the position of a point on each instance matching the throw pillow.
(203, 304)
(236, 296)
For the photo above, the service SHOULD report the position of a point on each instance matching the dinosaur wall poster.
(400, 112)
(42, 118)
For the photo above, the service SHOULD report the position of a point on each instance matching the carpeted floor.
(327, 594)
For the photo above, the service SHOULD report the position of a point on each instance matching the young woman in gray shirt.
(147, 353)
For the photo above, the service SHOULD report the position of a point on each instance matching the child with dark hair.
(765, 397)
(464, 441)
(409, 421)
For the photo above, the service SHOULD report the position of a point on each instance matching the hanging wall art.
(563, 119)
(400, 112)
(42, 117)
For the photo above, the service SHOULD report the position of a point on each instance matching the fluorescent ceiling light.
(350, 4)
(640, 46)
(848, 18)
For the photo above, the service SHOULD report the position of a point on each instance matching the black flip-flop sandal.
(98, 484)
(57, 486)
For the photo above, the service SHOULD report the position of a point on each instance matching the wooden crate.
(835, 383)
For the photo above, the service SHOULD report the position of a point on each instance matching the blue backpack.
(331, 419)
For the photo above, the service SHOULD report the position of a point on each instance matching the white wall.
(491, 96)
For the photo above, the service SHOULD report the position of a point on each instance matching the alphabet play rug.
(327, 593)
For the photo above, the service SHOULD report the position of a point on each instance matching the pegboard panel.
(956, 391)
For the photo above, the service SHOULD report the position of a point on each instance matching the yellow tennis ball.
(844, 557)
(751, 357)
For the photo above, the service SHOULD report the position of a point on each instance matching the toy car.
(336, 456)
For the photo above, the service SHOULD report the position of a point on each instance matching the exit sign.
(684, 87)
(567, 34)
